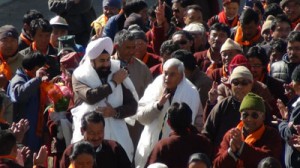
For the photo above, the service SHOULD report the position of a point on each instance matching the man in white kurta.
(170, 87)
(100, 85)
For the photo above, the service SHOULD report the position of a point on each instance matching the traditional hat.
(8, 31)
(268, 23)
(241, 72)
(98, 46)
(66, 43)
(253, 102)
(58, 21)
(195, 27)
(229, 44)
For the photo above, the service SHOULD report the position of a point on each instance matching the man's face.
(227, 56)
(172, 77)
(252, 120)
(267, 35)
(257, 68)
(8, 46)
(42, 39)
(200, 40)
(292, 10)
(56, 33)
(216, 39)
(102, 63)
(126, 50)
(293, 50)
(240, 88)
(83, 160)
(193, 16)
(110, 11)
(94, 133)
(249, 30)
(141, 48)
(231, 9)
(182, 41)
(282, 30)
(178, 12)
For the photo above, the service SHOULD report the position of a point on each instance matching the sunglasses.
(181, 42)
(253, 115)
(242, 82)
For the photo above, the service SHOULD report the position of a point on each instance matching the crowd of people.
(181, 84)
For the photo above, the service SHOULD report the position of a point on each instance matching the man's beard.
(103, 72)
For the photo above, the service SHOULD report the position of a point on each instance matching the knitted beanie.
(241, 72)
(284, 2)
(195, 27)
(238, 60)
(268, 23)
(229, 44)
(96, 47)
(253, 102)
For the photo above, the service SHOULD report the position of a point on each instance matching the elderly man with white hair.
(170, 87)
(100, 84)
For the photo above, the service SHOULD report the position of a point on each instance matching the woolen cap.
(238, 60)
(268, 23)
(98, 46)
(284, 2)
(8, 31)
(229, 44)
(112, 3)
(195, 27)
(253, 102)
(241, 72)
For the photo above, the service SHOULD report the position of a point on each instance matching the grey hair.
(122, 36)
(173, 62)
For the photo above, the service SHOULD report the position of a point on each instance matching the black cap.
(200, 157)
(8, 31)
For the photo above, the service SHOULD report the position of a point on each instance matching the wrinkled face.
(197, 164)
(231, 9)
(83, 160)
(240, 87)
(56, 33)
(267, 35)
(126, 50)
(172, 77)
(8, 46)
(249, 30)
(42, 39)
(275, 56)
(178, 12)
(293, 50)
(282, 30)
(193, 16)
(109, 11)
(252, 120)
(292, 10)
(227, 56)
(257, 68)
(182, 41)
(296, 87)
(102, 63)
(141, 48)
(217, 39)
(94, 133)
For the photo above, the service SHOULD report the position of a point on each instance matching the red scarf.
(9, 157)
(4, 68)
(239, 37)
(294, 24)
(223, 19)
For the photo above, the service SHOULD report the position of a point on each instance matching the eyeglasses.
(253, 115)
(181, 42)
(242, 82)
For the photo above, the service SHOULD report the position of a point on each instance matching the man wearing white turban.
(100, 84)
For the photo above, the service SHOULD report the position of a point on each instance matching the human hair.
(168, 47)
(122, 36)
(82, 147)
(180, 117)
(7, 142)
(278, 19)
(184, 33)
(279, 45)
(30, 15)
(220, 27)
(92, 117)
(35, 59)
(173, 62)
(183, 3)
(248, 16)
(272, 9)
(260, 6)
(186, 57)
(294, 36)
(260, 53)
(272, 1)
(269, 162)
(168, 12)
(134, 6)
(194, 7)
(40, 23)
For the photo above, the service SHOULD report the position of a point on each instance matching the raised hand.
(19, 129)
(164, 98)
(160, 13)
(235, 139)
(282, 109)
(213, 92)
(40, 158)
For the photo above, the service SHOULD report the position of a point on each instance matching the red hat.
(229, 1)
(238, 60)
(71, 60)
